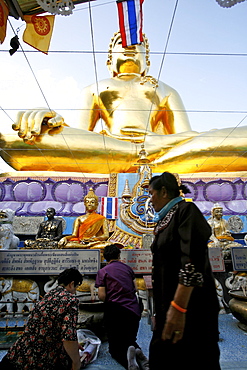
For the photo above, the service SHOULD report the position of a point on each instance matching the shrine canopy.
(19, 8)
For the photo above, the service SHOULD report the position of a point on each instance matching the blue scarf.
(162, 213)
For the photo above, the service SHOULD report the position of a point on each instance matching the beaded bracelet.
(180, 309)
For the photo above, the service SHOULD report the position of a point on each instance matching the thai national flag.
(130, 21)
(109, 207)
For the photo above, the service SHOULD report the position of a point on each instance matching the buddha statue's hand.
(134, 135)
(226, 233)
(32, 124)
(217, 243)
(89, 240)
(62, 242)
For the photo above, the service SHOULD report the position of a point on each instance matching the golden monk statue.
(90, 231)
(120, 115)
(221, 235)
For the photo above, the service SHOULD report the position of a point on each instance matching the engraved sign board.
(47, 261)
(239, 258)
(139, 260)
(216, 259)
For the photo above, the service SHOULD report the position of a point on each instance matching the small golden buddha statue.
(221, 235)
(220, 227)
(90, 231)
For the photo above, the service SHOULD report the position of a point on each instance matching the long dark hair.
(169, 181)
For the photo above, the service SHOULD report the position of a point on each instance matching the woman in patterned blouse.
(50, 338)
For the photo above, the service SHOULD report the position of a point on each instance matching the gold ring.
(177, 332)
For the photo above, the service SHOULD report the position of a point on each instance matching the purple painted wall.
(31, 197)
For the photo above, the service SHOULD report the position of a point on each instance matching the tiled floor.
(233, 346)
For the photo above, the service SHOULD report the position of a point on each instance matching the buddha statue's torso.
(49, 229)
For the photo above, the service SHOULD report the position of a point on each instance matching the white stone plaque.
(27, 225)
(239, 258)
(48, 262)
(139, 260)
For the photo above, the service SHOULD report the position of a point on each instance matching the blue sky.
(213, 87)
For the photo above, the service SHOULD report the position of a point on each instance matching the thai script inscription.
(216, 259)
(48, 262)
(139, 260)
(239, 258)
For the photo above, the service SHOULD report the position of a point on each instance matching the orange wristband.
(180, 309)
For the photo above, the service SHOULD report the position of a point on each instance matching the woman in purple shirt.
(116, 287)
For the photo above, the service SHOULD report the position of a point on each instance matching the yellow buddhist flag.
(4, 12)
(38, 31)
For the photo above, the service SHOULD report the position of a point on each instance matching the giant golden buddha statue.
(90, 231)
(120, 115)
